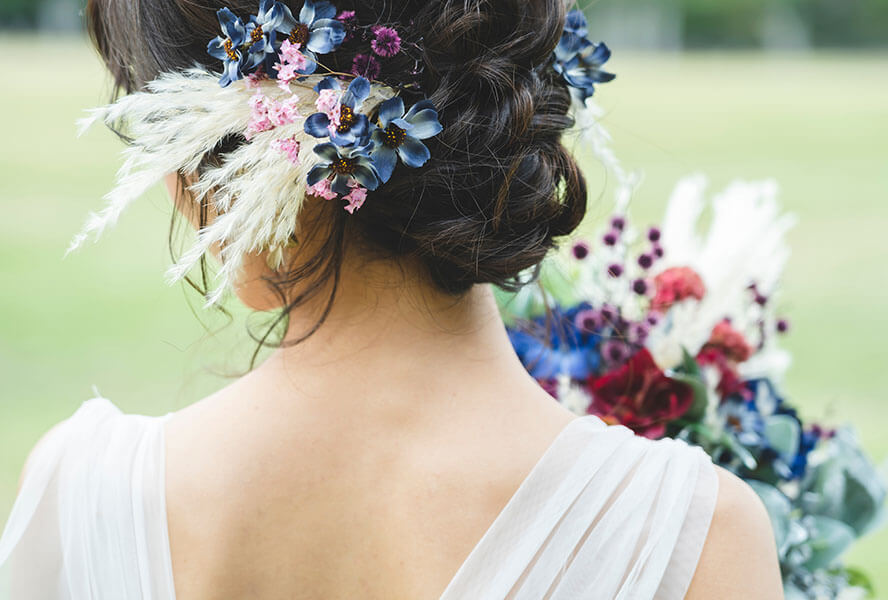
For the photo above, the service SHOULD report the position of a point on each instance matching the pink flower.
(259, 121)
(677, 284)
(355, 198)
(364, 65)
(254, 79)
(386, 41)
(322, 190)
(328, 103)
(292, 63)
(730, 342)
(290, 147)
(284, 112)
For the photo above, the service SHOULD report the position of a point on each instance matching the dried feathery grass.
(255, 190)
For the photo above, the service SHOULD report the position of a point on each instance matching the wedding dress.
(602, 515)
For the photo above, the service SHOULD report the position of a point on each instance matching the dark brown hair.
(500, 186)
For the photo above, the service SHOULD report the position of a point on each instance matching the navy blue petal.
(576, 23)
(327, 83)
(358, 91)
(366, 176)
(327, 151)
(391, 109)
(322, 40)
(425, 124)
(344, 138)
(318, 173)
(413, 152)
(324, 10)
(340, 185)
(385, 160)
(232, 26)
(317, 125)
(288, 21)
(216, 48)
(307, 14)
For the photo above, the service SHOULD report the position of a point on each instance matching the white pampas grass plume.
(744, 243)
(256, 190)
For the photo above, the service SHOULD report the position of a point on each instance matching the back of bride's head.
(498, 186)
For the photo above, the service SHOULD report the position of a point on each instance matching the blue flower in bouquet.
(343, 165)
(399, 134)
(744, 421)
(317, 31)
(344, 125)
(240, 48)
(565, 350)
(578, 59)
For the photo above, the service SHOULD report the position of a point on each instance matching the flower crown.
(361, 155)
(275, 91)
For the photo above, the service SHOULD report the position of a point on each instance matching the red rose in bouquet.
(677, 284)
(640, 396)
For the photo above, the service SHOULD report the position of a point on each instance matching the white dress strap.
(90, 520)
(604, 514)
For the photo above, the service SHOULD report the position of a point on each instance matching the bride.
(392, 445)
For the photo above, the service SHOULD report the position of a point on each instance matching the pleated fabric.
(602, 515)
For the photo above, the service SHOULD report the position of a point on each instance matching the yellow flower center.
(344, 166)
(229, 50)
(347, 118)
(299, 35)
(393, 136)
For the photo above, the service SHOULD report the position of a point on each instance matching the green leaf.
(830, 538)
(783, 434)
(689, 373)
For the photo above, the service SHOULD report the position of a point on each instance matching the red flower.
(677, 284)
(729, 342)
(729, 383)
(639, 396)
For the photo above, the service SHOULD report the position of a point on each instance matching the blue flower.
(353, 127)
(240, 48)
(317, 31)
(578, 59)
(265, 24)
(398, 134)
(567, 351)
(744, 421)
(343, 165)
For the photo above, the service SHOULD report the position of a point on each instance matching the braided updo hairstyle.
(500, 187)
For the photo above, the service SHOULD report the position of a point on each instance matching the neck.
(390, 336)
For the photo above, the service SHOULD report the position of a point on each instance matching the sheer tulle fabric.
(603, 515)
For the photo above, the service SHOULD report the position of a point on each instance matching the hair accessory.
(578, 59)
(310, 130)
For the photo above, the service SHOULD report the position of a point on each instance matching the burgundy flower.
(386, 42)
(729, 382)
(677, 284)
(364, 65)
(639, 396)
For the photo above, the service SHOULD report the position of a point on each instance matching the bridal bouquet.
(674, 333)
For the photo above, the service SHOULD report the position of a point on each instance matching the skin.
(368, 461)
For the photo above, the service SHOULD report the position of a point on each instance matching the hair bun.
(500, 186)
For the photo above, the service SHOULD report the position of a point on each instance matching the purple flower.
(610, 238)
(640, 287)
(615, 270)
(365, 65)
(645, 261)
(654, 234)
(615, 352)
(386, 42)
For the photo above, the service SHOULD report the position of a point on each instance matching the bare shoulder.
(739, 558)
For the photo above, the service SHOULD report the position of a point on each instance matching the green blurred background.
(796, 90)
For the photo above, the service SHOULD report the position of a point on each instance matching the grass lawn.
(817, 123)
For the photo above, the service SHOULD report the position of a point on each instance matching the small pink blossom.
(259, 121)
(253, 80)
(323, 190)
(290, 147)
(328, 103)
(284, 112)
(292, 62)
(355, 198)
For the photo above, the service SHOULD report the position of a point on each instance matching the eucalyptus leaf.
(783, 434)
(830, 538)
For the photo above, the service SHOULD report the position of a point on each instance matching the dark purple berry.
(640, 287)
(658, 251)
(618, 223)
(645, 261)
(654, 234)
(581, 250)
(615, 270)
(610, 238)
(782, 326)
(761, 299)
